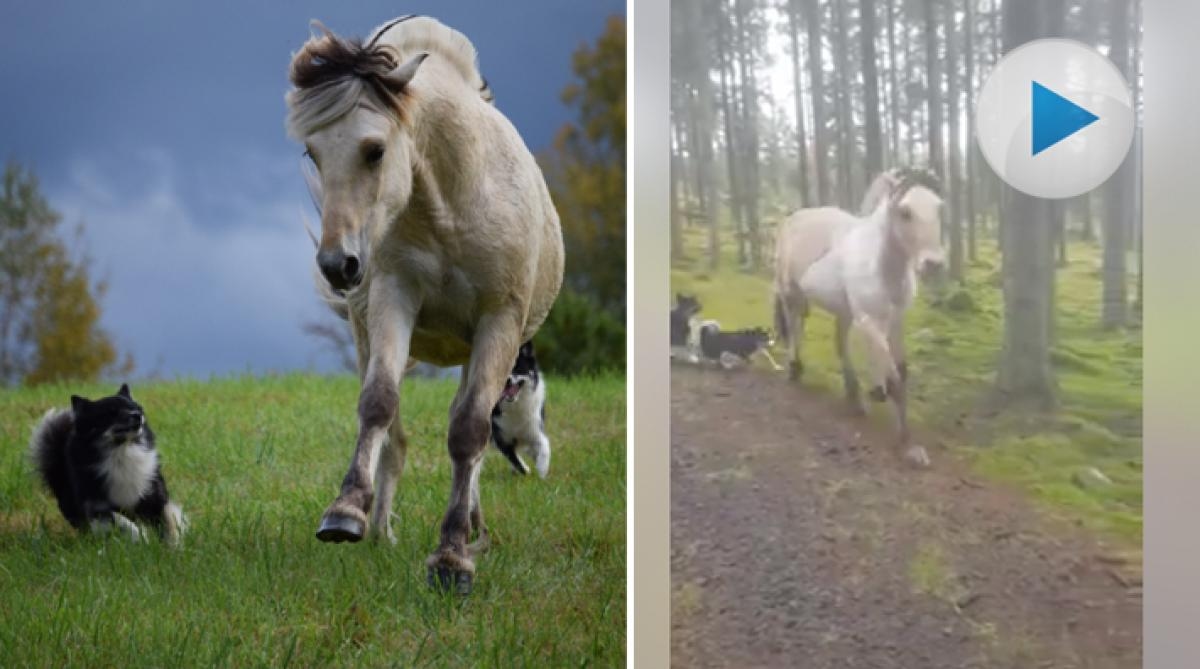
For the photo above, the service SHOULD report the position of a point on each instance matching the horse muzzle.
(930, 269)
(342, 270)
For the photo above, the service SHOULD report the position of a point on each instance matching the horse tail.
(781, 321)
(333, 299)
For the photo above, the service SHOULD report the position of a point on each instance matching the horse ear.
(398, 78)
(124, 391)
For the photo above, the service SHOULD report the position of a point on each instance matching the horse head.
(914, 210)
(348, 107)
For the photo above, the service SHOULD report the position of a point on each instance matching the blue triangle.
(1056, 118)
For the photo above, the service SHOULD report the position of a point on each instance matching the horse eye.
(374, 154)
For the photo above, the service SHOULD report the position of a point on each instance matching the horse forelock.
(332, 74)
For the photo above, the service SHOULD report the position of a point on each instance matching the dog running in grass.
(519, 418)
(99, 461)
(734, 347)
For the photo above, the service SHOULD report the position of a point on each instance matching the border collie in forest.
(682, 327)
(519, 418)
(730, 348)
(99, 461)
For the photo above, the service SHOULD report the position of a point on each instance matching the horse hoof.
(795, 371)
(446, 579)
(917, 457)
(337, 528)
(878, 394)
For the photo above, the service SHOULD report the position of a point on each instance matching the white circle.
(1004, 118)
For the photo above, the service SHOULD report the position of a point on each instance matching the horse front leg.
(492, 353)
(391, 467)
(389, 325)
(849, 379)
(886, 376)
(898, 391)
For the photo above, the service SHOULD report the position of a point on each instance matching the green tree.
(585, 331)
(49, 305)
(586, 171)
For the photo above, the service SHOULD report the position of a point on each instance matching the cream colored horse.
(862, 269)
(440, 243)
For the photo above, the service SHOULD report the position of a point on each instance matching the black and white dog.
(519, 418)
(734, 347)
(98, 460)
(683, 326)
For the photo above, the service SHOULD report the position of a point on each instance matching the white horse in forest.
(862, 269)
(439, 243)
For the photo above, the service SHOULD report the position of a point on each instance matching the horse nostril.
(350, 270)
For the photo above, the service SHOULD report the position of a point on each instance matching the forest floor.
(795, 530)
(800, 540)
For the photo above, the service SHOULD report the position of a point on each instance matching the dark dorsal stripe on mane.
(402, 19)
(907, 177)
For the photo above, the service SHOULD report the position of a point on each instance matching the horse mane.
(895, 183)
(331, 74)
(414, 34)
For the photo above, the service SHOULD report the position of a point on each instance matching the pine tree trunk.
(793, 11)
(910, 106)
(1087, 229)
(750, 148)
(727, 116)
(816, 69)
(894, 93)
(870, 89)
(972, 189)
(1025, 374)
(841, 73)
(933, 87)
(954, 164)
(1115, 304)
(677, 208)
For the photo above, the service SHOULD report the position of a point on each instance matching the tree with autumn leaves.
(49, 304)
(585, 169)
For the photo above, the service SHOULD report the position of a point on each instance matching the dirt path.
(799, 540)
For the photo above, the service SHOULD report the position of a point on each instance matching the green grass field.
(254, 461)
(953, 338)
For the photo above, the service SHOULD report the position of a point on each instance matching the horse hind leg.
(789, 319)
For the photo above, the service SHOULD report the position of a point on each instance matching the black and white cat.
(519, 418)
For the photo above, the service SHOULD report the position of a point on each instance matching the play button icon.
(1054, 118)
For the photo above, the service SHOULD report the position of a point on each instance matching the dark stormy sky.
(159, 127)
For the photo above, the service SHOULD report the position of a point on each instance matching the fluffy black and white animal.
(99, 461)
(682, 327)
(519, 418)
(728, 348)
(686, 308)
